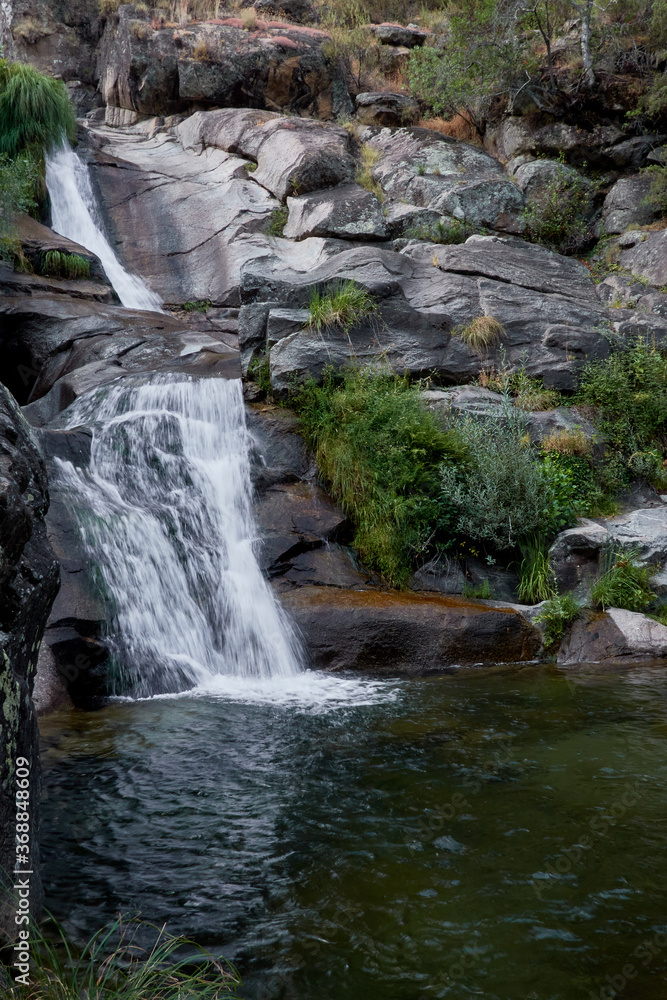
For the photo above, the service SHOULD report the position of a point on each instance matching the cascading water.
(75, 215)
(165, 511)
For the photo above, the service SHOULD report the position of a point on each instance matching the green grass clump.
(114, 965)
(35, 110)
(623, 584)
(56, 264)
(446, 232)
(19, 179)
(380, 449)
(556, 615)
(345, 305)
(482, 333)
(364, 175)
(276, 222)
(260, 373)
(536, 578)
(197, 305)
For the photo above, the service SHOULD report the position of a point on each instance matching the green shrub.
(380, 449)
(556, 615)
(18, 181)
(276, 222)
(113, 965)
(657, 195)
(35, 110)
(536, 578)
(197, 305)
(507, 493)
(557, 221)
(259, 372)
(528, 393)
(478, 591)
(629, 391)
(344, 305)
(622, 584)
(56, 264)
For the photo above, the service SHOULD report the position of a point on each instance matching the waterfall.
(75, 215)
(166, 517)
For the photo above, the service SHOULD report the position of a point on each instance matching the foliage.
(629, 391)
(344, 305)
(260, 373)
(556, 615)
(276, 221)
(658, 29)
(557, 221)
(380, 448)
(657, 195)
(623, 584)
(364, 176)
(56, 264)
(528, 393)
(536, 578)
(479, 591)
(197, 305)
(567, 442)
(113, 965)
(445, 231)
(507, 493)
(18, 181)
(249, 18)
(35, 110)
(483, 332)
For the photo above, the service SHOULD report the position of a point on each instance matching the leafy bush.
(536, 578)
(276, 222)
(56, 264)
(629, 391)
(113, 965)
(35, 110)
(557, 221)
(622, 584)
(483, 332)
(197, 305)
(18, 181)
(380, 449)
(556, 615)
(657, 195)
(345, 305)
(507, 493)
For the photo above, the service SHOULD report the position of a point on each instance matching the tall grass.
(623, 584)
(345, 305)
(380, 449)
(536, 578)
(114, 965)
(35, 110)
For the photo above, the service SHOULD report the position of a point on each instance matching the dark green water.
(492, 834)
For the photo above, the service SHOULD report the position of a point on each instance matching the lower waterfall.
(74, 214)
(166, 517)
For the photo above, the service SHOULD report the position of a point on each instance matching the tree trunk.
(589, 75)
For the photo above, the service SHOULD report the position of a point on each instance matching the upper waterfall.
(75, 215)
(165, 511)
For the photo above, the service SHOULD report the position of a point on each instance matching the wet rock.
(406, 634)
(431, 170)
(295, 517)
(627, 204)
(347, 212)
(50, 691)
(396, 34)
(28, 585)
(279, 454)
(617, 637)
(38, 240)
(220, 63)
(649, 258)
(385, 109)
(329, 565)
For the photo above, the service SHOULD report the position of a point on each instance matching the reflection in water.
(494, 833)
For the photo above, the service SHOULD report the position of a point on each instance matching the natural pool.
(492, 833)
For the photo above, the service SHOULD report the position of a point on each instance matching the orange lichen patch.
(284, 42)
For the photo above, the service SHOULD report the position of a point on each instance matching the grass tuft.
(35, 110)
(345, 305)
(623, 584)
(56, 264)
(249, 18)
(536, 578)
(277, 221)
(484, 332)
(364, 175)
(568, 442)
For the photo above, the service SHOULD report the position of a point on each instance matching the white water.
(75, 215)
(166, 516)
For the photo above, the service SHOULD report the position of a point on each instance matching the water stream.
(74, 214)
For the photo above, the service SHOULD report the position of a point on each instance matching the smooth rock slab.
(406, 634)
(627, 204)
(348, 212)
(618, 636)
(648, 259)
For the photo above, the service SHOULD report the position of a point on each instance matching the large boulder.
(218, 63)
(383, 108)
(406, 634)
(347, 212)
(648, 258)
(425, 168)
(28, 585)
(520, 135)
(628, 204)
(538, 179)
(614, 637)
(396, 34)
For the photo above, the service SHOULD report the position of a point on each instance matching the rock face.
(28, 585)
(396, 34)
(347, 212)
(407, 634)
(384, 108)
(274, 65)
(616, 637)
(648, 258)
(627, 204)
